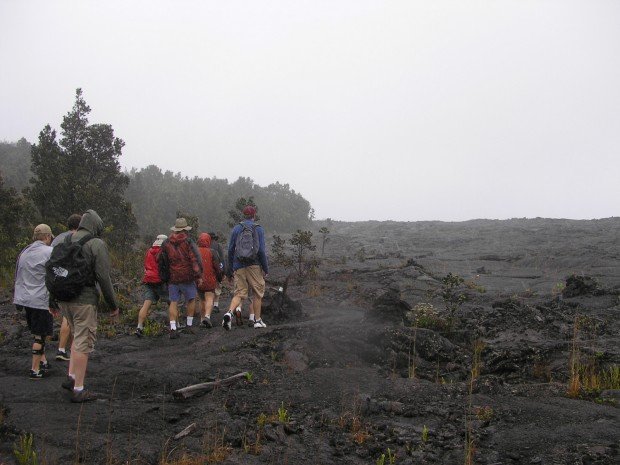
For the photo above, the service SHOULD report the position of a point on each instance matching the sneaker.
(238, 317)
(260, 324)
(68, 383)
(216, 309)
(44, 366)
(139, 332)
(174, 334)
(251, 321)
(64, 356)
(181, 326)
(227, 321)
(83, 396)
(36, 375)
(206, 323)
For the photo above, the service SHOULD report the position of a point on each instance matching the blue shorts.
(187, 289)
(154, 292)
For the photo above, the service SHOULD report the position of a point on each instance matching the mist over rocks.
(372, 352)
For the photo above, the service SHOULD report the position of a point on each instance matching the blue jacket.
(233, 263)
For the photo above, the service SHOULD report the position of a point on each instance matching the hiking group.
(65, 275)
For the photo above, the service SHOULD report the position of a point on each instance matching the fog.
(403, 110)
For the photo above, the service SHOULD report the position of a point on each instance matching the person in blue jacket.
(247, 268)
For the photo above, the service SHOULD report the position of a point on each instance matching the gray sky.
(402, 110)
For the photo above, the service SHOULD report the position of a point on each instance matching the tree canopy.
(82, 171)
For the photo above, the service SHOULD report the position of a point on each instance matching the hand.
(115, 316)
(54, 311)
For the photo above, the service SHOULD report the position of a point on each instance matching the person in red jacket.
(154, 288)
(211, 276)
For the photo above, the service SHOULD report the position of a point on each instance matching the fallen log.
(186, 431)
(194, 389)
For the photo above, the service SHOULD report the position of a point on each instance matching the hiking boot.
(68, 383)
(238, 317)
(139, 332)
(260, 324)
(206, 323)
(64, 356)
(44, 366)
(174, 334)
(188, 330)
(251, 321)
(36, 375)
(83, 396)
(227, 321)
(216, 309)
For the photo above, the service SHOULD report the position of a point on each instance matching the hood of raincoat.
(92, 222)
(204, 240)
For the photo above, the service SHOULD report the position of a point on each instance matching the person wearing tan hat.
(180, 265)
(154, 288)
(32, 296)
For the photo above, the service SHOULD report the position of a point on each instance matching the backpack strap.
(84, 240)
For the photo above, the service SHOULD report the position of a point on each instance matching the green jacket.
(96, 251)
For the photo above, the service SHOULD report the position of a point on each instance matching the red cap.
(249, 211)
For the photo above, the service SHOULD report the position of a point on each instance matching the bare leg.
(65, 334)
(79, 361)
(173, 311)
(191, 307)
(234, 303)
(256, 307)
(71, 368)
(143, 313)
(208, 304)
(36, 358)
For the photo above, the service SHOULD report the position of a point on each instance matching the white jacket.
(30, 290)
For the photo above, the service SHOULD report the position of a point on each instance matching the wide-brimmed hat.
(43, 229)
(181, 225)
(160, 240)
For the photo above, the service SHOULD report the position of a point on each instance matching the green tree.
(82, 171)
(302, 244)
(15, 217)
(236, 214)
(324, 239)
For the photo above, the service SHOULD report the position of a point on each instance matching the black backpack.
(246, 245)
(68, 271)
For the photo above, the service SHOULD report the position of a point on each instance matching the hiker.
(154, 288)
(180, 265)
(32, 296)
(81, 311)
(247, 262)
(73, 222)
(211, 276)
(217, 248)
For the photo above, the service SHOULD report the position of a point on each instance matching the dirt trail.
(342, 371)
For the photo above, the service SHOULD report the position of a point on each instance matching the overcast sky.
(402, 110)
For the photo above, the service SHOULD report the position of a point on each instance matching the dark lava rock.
(580, 285)
(389, 308)
(279, 307)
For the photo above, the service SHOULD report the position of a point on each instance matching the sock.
(238, 308)
(36, 372)
(71, 375)
(207, 317)
(190, 320)
(140, 325)
(62, 350)
(216, 303)
(78, 388)
(173, 325)
(252, 318)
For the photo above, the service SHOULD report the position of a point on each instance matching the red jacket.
(151, 270)
(212, 269)
(179, 260)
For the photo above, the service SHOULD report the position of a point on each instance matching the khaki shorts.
(250, 277)
(82, 319)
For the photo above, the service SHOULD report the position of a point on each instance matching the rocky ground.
(382, 356)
